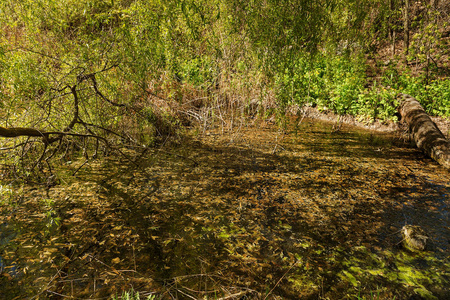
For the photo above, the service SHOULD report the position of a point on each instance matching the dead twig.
(78, 169)
(279, 280)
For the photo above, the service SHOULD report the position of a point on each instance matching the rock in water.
(414, 237)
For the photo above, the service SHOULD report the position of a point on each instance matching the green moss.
(347, 276)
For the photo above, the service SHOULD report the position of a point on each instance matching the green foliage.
(6, 195)
(24, 80)
(336, 83)
(433, 94)
(345, 80)
(427, 45)
(228, 53)
(378, 103)
(281, 27)
(374, 295)
(52, 219)
(198, 71)
(131, 295)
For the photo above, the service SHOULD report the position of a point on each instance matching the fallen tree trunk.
(426, 134)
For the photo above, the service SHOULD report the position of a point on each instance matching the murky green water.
(253, 214)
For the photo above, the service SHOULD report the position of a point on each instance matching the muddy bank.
(370, 124)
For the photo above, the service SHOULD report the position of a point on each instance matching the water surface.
(256, 213)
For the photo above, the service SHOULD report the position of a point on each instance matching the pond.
(256, 213)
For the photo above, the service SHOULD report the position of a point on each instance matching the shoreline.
(375, 125)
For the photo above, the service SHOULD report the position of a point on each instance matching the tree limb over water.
(19, 131)
(32, 132)
(426, 134)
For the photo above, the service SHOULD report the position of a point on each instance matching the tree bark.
(406, 30)
(426, 134)
(19, 131)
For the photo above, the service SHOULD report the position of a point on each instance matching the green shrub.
(378, 103)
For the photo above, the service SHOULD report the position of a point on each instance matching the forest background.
(139, 71)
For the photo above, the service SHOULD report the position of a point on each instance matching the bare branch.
(75, 111)
(94, 84)
(21, 131)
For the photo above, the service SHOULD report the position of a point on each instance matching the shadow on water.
(310, 214)
(6, 235)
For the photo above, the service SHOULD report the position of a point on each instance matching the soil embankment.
(377, 125)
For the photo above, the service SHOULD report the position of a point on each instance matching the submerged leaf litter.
(254, 214)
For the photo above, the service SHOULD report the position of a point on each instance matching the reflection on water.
(6, 235)
(258, 214)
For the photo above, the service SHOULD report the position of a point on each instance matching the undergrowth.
(132, 295)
